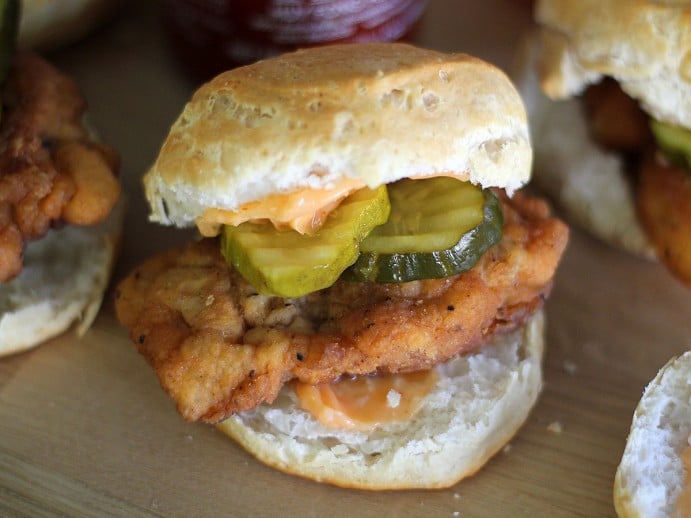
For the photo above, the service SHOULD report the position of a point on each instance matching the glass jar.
(210, 36)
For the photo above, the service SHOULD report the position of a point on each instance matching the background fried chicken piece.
(664, 206)
(51, 169)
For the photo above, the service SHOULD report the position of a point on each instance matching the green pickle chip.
(675, 141)
(477, 229)
(9, 25)
(408, 230)
(289, 264)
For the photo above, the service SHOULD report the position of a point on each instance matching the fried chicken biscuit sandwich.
(364, 308)
(615, 147)
(58, 192)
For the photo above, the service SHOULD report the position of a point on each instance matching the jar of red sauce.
(210, 36)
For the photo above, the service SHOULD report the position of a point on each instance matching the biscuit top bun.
(374, 112)
(644, 44)
(651, 476)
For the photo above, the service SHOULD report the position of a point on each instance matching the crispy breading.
(664, 205)
(218, 347)
(616, 121)
(51, 169)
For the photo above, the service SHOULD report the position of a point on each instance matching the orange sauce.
(364, 402)
(684, 500)
(304, 210)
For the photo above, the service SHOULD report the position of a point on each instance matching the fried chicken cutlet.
(219, 348)
(52, 169)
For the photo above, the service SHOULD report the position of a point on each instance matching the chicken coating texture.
(51, 169)
(218, 347)
(616, 120)
(664, 206)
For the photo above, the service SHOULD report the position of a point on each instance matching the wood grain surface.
(86, 431)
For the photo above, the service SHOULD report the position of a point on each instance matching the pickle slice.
(426, 216)
(675, 141)
(289, 264)
(9, 26)
(460, 257)
(9, 23)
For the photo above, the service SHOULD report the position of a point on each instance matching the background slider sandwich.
(365, 306)
(615, 150)
(59, 217)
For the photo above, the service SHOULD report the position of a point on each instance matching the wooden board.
(85, 429)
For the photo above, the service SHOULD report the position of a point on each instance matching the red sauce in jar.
(210, 36)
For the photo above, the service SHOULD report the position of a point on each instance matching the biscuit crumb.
(339, 449)
(506, 449)
(393, 398)
(554, 427)
(570, 367)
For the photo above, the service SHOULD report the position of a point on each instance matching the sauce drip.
(304, 210)
(684, 500)
(685, 67)
(365, 402)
